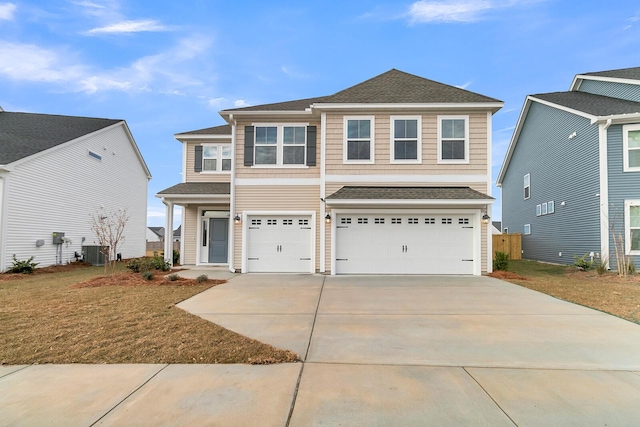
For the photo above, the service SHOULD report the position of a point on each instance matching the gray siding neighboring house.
(571, 144)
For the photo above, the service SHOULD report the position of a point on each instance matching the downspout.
(3, 219)
(604, 191)
(323, 171)
(232, 197)
(488, 228)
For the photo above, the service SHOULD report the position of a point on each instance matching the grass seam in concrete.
(313, 325)
(129, 395)
(490, 397)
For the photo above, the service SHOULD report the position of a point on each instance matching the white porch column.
(168, 233)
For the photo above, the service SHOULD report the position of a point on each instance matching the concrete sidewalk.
(398, 350)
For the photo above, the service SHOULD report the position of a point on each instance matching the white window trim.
(392, 158)
(280, 146)
(527, 184)
(219, 159)
(552, 206)
(466, 140)
(627, 226)
(625, 144)
(372, 137)
(527, 229)
(538, 210)
(544, 208)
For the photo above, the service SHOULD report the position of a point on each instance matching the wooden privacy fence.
(159, 247)
(510, 244)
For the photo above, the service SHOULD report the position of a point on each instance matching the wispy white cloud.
(239, 103)
(425, 11)
(6, 11)
(216, 102)
(126, 27)
(162, 72)
(293, 73)
(464, 85)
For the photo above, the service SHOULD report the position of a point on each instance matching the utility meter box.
(58, 238)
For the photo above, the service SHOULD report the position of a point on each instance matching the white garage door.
(279, 244)
(404, 244)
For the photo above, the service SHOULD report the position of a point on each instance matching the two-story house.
(571, 176)
(390, 176)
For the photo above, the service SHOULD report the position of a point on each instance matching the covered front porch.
(207, 225)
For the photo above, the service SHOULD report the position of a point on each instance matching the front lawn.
(54, 318)
(609, 293)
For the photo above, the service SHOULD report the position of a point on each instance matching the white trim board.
(395, 179)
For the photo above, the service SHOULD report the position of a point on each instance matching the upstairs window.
(358, 145)
(453, 139)
(527, 186)
(406, 140)
(632, 226)
(280, 145)
(212, 158)
(631, 141)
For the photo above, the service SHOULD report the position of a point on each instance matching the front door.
(218, 240)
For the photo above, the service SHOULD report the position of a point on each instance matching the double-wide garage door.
(279, 244)
(404, 244)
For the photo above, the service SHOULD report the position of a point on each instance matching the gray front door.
(218, 240)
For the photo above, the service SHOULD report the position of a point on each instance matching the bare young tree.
(109, 228)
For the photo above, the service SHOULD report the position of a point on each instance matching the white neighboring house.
(55, 173)
(155, 234)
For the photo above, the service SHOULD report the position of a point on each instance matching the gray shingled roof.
(216, 130)
(407, 193)
(623, 73)
(392, 87)
(25, 134)
(596, 105)
(196, 188)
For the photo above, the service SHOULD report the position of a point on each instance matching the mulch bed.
(135, 279)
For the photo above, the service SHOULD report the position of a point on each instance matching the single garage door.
(404, 244)
(279, 244)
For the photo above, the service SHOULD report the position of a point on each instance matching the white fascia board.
(410, 202)
(514, 139)
(563, 108)
(193, 198)
(400, 179)
(577, 80)
(6, 168)
(408, 106)
(305, 112)
(135, 147)
(184, 138)
(617, 118)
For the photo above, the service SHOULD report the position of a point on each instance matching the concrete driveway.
(396, 350)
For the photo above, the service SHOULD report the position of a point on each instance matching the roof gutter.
(440, 105)
(409, 202)
(616, 118)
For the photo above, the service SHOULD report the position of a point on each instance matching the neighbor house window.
(631, 141)
(527, 229)
(527, 186)
(358, 139)
(551, 206)
(632, 226)
(280, 145)
(406, 145)
(544, 209)
(453, 139)
(216, 158)
(538, 210)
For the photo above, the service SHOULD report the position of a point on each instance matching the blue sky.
(168, 67)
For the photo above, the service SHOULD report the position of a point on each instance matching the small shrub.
(631, 267)
(601, 268)
(202, 278)
(501, 261)
(172, 277)
(138, 265)
(176, 256)
(147, 275)
(160, 264)
(582, 262)
(24, 267)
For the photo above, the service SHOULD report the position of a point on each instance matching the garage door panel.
(404, 244)
(279, 244)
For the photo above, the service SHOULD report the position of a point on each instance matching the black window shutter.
(311, 145)
(197, 164)
(248, 145)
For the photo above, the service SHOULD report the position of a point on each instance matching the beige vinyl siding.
(193, 176)
(190, 234)
(277, 199)
(243, 171)
(429, 166)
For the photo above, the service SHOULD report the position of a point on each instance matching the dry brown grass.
(609, 292)
(55, 318)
